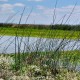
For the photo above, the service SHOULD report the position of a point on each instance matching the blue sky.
(42, 12)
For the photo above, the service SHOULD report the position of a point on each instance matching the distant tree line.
(66, 27)
(35, 26)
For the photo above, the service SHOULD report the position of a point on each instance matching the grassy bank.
(40, 66)
(40, 33)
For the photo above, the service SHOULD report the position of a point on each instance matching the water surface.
(8, 44)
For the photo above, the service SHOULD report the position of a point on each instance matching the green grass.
(40, 33)
(63, 54)
(41, 63)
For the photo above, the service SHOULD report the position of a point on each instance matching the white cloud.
(9, 8)
(40, 7)
(6, 8)
(19, 5)
(3, 0)
(44, 14)
(60, 12)
(35, 0)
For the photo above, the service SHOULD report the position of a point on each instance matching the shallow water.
(8, 44)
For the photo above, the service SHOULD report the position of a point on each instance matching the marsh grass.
(53, 63)
(41, 33)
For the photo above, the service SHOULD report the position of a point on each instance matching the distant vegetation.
(38, 26)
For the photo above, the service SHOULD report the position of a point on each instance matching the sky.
(40, 11)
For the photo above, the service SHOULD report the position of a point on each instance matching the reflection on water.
(28, 44)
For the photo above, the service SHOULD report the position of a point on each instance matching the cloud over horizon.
(43, 10)
(9, 8)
